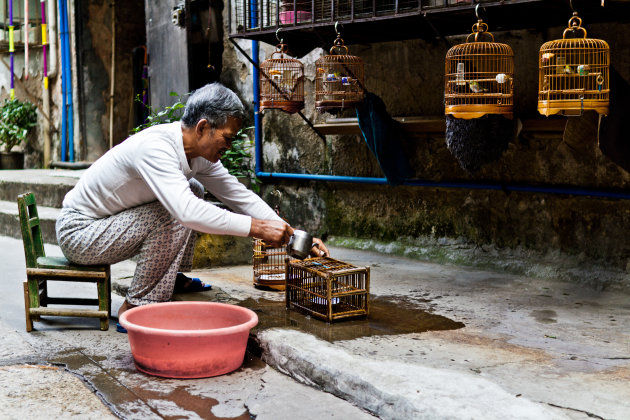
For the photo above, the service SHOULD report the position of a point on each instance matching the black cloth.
(383, 136)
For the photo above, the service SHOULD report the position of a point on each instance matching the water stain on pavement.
(388, 316)
(545, 316)
(124, 399)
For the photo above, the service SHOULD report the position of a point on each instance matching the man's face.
(214, 143)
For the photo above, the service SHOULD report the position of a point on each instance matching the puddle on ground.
(388, 316)
(118, 396)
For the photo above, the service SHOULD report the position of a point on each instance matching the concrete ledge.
(49, 186)
(10, 221)
(393, 390)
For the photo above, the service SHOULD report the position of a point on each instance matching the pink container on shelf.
(188, 339)
(288, 17)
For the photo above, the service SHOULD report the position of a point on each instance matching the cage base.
(290, 107)
(468, 112)
(572, 107)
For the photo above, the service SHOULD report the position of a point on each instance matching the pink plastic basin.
(188, 339)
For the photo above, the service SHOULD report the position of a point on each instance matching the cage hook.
(477, 11)
(277, 37)
(336, 28)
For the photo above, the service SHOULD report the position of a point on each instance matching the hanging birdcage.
(573, 73)
(269, 265)
(479, 77)
(282, 82)
(339, 81)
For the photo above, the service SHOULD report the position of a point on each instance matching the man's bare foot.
(124, 307)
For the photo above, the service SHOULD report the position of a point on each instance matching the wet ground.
(440, 342)
(388, 316)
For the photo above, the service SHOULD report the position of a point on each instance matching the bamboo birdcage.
(573, 74)
(339, 81)
(269, 265)
(282, 82)
(479, 77)
(327, 289)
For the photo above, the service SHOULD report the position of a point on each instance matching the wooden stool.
(40, 269)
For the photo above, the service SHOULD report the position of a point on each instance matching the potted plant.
(16, 120)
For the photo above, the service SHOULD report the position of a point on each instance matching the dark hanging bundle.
(479, 141)
(478, 97)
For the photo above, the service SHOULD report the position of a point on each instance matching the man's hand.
(273, 232)
(320, 249)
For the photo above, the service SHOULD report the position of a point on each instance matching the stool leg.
(33, 295)
(27, 308)
(103, 301)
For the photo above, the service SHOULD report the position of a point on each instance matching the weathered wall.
(450, 224)
(95, 49)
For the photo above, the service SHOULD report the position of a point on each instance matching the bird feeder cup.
(479, 76)
(573, 74)
(339, 82)
(282, 82)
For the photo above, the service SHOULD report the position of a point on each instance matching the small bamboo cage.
(339, 82)
(282, 82)
(573, 73)
(327, 289)
(269, 265)
(479, 77)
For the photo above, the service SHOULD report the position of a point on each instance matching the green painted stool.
(40, 269)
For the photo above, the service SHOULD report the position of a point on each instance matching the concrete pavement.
(441, 342)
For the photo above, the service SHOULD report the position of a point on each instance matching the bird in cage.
(476, 87)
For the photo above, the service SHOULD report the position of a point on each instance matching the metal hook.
(477, 11)
(277, 37)
(336, 25)
(571, 4)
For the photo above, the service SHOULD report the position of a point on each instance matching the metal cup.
(300, 244)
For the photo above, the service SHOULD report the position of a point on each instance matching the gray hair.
(213, 102)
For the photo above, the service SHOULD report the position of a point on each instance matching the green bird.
(476, 87)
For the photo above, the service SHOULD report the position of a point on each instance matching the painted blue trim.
(257, 115)
(62, 46)
(447, 184)
(67, 118)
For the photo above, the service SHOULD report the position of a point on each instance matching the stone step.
(49, 185)
(10, 221)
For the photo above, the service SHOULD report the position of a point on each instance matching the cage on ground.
(269, 265)
(327, 289)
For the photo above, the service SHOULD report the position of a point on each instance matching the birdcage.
(327, 289)
(269, 265)
(573, 73)
(479, 76)
(339, 82)
(282, 82)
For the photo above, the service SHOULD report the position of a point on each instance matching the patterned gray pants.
(162, 245)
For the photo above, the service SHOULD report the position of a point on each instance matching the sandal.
(184, 284)
(121, 329)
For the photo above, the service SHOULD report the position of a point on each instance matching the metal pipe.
(26, 39)
(449, 184)
(52, 39)
(112, 84)
(11, 49)
(64, 81)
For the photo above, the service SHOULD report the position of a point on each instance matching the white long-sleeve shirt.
(151, 165)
